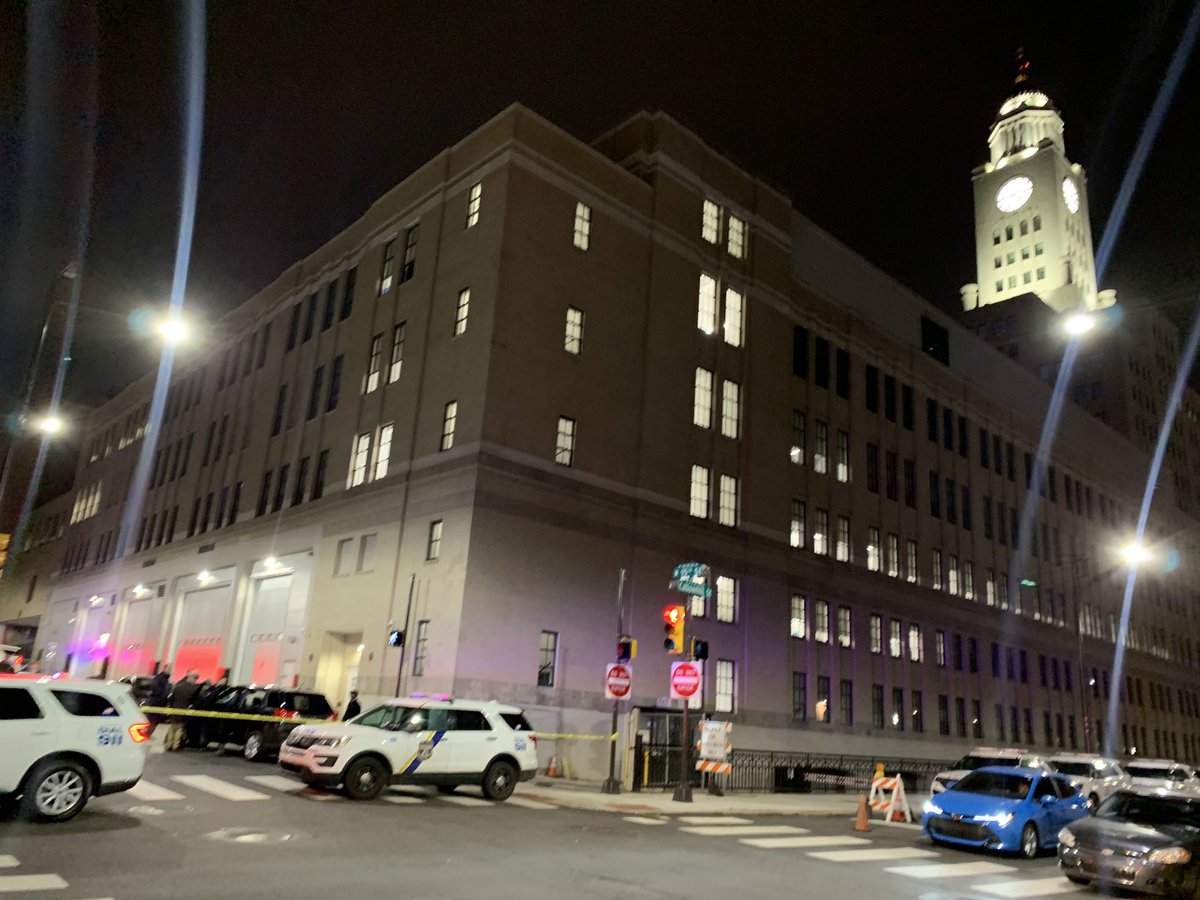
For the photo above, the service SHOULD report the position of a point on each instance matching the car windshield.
(1074, 768)
(995, 784)
(972, 762)
(1151, 810)
(1148, 771)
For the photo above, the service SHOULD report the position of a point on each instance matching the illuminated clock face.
(1071, 195)
(1014, 194)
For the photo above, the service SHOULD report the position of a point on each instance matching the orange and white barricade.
(887, 797)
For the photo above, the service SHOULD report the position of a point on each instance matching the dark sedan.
(258, 739)
(1147, 842)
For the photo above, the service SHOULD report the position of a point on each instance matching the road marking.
(11, 884)
(875, 853)
(278, 782)
(151, 792)
(8, 862)
(743, 830)
(219, 788)
(402, 798)
(468, 801)
(714, 820)
(1039, 887)
(951, 870)
(812, 840)
(643, 820)
(529, 804)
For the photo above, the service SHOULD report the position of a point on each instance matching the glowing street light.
(1079, 324)
(173, 330)
(1135, 553)
(50, 425)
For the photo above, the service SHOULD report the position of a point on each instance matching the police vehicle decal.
(424, 751)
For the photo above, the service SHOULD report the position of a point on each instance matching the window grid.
(699, 493)
(462, 311)
(706, 314)
(796, 531)
(725, 685)
(564, 444)
(727, 510)
(734, 317)
(547, 658)
(731, 395)
(726, 598)
(710, 226)
(383, 454)
(702, 399)
(583, 225)
(397, 361)
(843, 456)
(433, 547)
(799, 618)
(449, 418)
(843, 539)
(573, 337)
(374, 362)
(474, 202)
(362, 453)
(736, 244)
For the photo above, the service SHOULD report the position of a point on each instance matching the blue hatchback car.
(1004, 808)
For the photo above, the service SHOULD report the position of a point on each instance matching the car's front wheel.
(253, 748)
(365, 779)
(1029, 841)
(1075, 879)
(499, 781)
(57, 790)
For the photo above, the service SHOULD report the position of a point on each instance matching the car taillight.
(140, 732)
(332, 717)
(286, 713)
(533, 739)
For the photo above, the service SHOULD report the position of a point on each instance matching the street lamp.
(173, 330)
(1079, 324)
(1135, 553)
(50, 424)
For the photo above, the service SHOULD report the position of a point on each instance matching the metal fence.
(782, 771)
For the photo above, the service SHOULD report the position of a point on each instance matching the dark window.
(997, 456)
(799, 697)
(248, 354)
(891, 476)
(960, 716)
(1028, 470)
(280, 406)
(301, 482)
(899, 713)
(17, 703)
(222, 500)
(195, 517)
(873, 468)
(943, 714)
(1052, 480)
(82, 703)
(972, 655)
(910, 483)
(983, 448)
(234, 503)
(889, 397)
(310, 317)
(408, 269)
(330, 306)
(877, 705)
(821, 363)
(931, 419)
(976, 719)
(963, 446)
(906, 406)
(995, 660)
(318, 488)
(207, 514)
(948, 428)
(221, 438)
(264, 497)
(264, 339)
(951, 501)
(314, 397)
(208, 444)
(1012, 461)
(847, 701)
(280, 488)
(800, 351)
(842, 374)
(935, 340)
(966, 508)
(871, 389)
(293, 328)
(935, 495)
(335, 384)
(956, 652)
(348, 292)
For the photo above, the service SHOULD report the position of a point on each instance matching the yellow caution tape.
(553, 736)
(244, 717)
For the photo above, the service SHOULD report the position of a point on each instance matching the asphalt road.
(201, 827)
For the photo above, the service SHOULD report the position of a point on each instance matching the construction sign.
(714, 747)
(887, 796)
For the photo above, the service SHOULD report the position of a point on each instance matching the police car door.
(421, 740)
(27, 733)
(473, 743)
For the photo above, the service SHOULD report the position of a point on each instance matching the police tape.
(553, 736)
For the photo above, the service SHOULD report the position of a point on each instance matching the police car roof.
(421, 701)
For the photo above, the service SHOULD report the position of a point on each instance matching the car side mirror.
(1048, 800)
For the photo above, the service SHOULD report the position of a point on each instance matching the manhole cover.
(252, 836)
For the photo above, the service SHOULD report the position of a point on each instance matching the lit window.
(383, 452)
(474, 200)
(843, 539)
(727, 511)
(397, 353)
(799, 618)
(433, 548)
(702, 399)
(989, 588)
(737, 237)
(696, 606)
(461, 312)
(968, 578)
(821, 450)
(893, 555)
(843, 456)
(734, 317)
(820, 538)
(873, 549)
(725, 686)
(409, 266)
(876, 633)
(845, 633)
(726, 598)
(894, 643)
(374, 361)
(796, 532)
(564, 444)
(798, 428)
(731, 395)
(449, 416)
(706, 316)
(710, 227)
(937, 570)
(573, 339)
(699, 492)
(360, 458)
(389, 264)
(821, 622)
(910, 553)
(952, 574)
(916, 647)
(583, 225)
(547, 658)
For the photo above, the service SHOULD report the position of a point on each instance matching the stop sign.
(685, 680)
(618, 681)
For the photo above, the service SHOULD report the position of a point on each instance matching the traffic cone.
(552, 769)
(862, 821)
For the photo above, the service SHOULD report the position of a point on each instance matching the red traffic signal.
(674, 618)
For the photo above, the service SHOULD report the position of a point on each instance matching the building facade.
(538, 362)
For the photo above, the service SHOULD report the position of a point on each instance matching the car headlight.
(931, 808)
(331, 741)
(1002, 820)
(1169, 855)
(1066, 838)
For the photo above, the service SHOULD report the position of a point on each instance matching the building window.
(726, 598)
(873, 549)
(547, 658)
(873, 468)
(314, 399)
(359, 459)
(845, 633)
(820, 538)
(449, 417)
(891, 477)
(343, 557)
(383, 452)
(843, 539)
(725, 686)
(710, 225)
(474, 201)
(727, 511)
(968, 580)
(821, 621)
(843, 456)
(734, 317)
(877, 712)
(702, 399)
(706, 313)
(952, 574)
(935, 494)
(799, 619)
(847, 701)
(798, 428)
(895, 647)
(731, 394)
(433, 547)
(573, 338)
(876, 623)
(939, 647)
(409, 266)
(910, 561)
(916, 647)
(899, 713)
(737, 238)
(583, 225)
(796, 531)
(799, 697)
(892, 557)
(821, 450)
(937, 570)
(699, 492)
(461, 311)
(335, 385)
(918, 712)
(386, 271)
(564, 443)
(397, 362)
(374, 363)
(420, 646)
(318, 489)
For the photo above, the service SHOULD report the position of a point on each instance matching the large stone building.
(538, 362)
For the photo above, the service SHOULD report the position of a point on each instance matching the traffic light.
(699, 649)
(395, 638)
(626, 649)
(674, 617)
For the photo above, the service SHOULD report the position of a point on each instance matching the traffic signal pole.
(683, 790)
(611, 785)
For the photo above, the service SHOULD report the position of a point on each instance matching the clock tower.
(1032, 234)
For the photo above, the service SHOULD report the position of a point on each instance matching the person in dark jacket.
(181, 698)
(353, 708)
(158, 693)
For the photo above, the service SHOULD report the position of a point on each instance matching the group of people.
(189, 692)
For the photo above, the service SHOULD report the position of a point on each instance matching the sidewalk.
(586, 795)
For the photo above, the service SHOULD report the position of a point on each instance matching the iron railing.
(771, 770)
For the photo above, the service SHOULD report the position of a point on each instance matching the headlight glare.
(1169, 855)
(1066, 838)
(932, 808)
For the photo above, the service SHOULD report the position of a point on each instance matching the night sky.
(869, 115)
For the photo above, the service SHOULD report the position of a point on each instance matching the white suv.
(66, 740)
(1095, 776)
(442, 742)
(987, 756)
(1162, 773)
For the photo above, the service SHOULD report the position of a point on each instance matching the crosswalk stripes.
(950, 870)
(1037, 887)
(742, 830)
(402, 799)
(529, 804)
(873, 854)
(810, 840)
(468, 801)
(278, 783)
(223, 789)
(8, 862)
(714, 820)
(645, 820)
(20, 884)
(148, 792)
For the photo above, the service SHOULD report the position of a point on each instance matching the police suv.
(417, 740)
(66, 740)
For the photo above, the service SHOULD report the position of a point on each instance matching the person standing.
(181, 698)
(158, 694)
(353, 708)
